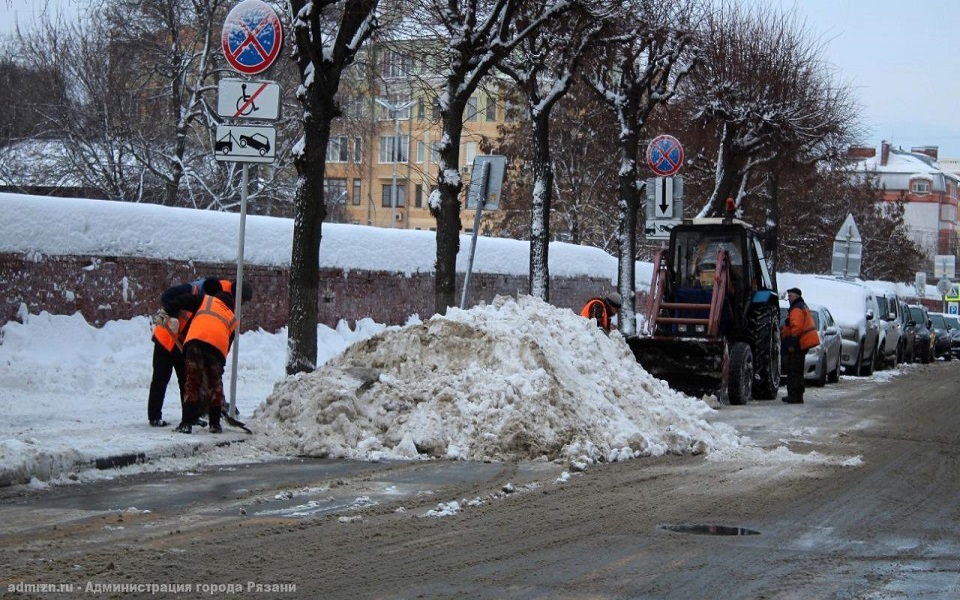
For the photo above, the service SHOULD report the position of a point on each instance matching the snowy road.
(885, 525)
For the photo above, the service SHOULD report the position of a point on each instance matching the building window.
(356, 193)
(338, 149)
(472, 108)
(357, 150)
(510, 111)
(920, 186)
(334, 191)
(491, 108)
(435, 115)
(391, 152)
(388, 195)
(421, 151)
(396, 64)
(418, 197)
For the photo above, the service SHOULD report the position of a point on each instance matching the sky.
(517, 379)
(899, 58)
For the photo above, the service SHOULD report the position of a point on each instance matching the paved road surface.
(889, 528)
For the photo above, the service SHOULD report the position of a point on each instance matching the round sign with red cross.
(252, 37)
(665, 155)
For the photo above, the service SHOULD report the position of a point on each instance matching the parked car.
(953, 323)
(907, 341)
(890, 329)
(923, 335)
(822, 362)
(942, 344)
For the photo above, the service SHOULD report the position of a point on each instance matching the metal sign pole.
(484, 176)
(238, 293)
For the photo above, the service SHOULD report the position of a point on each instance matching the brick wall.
(110, 288)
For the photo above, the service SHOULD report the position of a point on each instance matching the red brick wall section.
(110, 288)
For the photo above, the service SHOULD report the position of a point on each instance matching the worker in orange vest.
(206, 345)
(798, 335)
(602, 309)
(169, 329)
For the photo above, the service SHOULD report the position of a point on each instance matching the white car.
(822, 362)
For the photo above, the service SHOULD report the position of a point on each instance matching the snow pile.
(512, 380)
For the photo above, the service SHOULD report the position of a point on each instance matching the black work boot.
(215, 420)
(187, 419)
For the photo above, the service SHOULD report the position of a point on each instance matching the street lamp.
(395, 109)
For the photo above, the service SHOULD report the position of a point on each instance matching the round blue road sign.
(665, 155)
(252, 36)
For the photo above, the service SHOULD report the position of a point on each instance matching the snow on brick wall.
(110, 288)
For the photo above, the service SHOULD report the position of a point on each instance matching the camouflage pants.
(203, 388)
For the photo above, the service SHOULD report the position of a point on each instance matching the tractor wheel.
(741, 373)
(765, 325)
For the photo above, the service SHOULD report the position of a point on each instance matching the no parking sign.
(665, 155)
(252, 37)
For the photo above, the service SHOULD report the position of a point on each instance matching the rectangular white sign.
(254, 100)
(659, 229)
(246, 143)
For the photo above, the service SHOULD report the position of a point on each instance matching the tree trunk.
(629, 204)
(540, 214)
(726, 181)
(770, 236)
(447, 214)
(305, 255)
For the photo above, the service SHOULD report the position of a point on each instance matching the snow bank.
(512, 380)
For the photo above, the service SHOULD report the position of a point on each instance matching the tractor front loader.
(712, 326)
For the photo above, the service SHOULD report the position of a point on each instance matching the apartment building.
(930, 192)
(382, 157)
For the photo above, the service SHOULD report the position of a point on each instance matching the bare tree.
(764, 90)
(819, 199)
(479, 33)
(637, 68)
(583, 207)
(327, 34)
(543, 67)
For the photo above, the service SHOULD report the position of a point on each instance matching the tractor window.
(760, 267)
(696, 257)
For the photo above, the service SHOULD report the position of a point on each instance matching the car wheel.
(834, 375)
(821, 380)
(867, 369)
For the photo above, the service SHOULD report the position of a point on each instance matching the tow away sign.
(246, 143)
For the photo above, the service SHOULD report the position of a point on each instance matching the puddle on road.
(709, 529)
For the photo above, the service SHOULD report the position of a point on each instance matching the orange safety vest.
(166, 337)
(214, 323)
(605, 318)
(806, 330)
(227, 286)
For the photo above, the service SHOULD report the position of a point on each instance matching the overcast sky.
(900, 57)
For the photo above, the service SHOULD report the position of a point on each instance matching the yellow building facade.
(390, 134)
